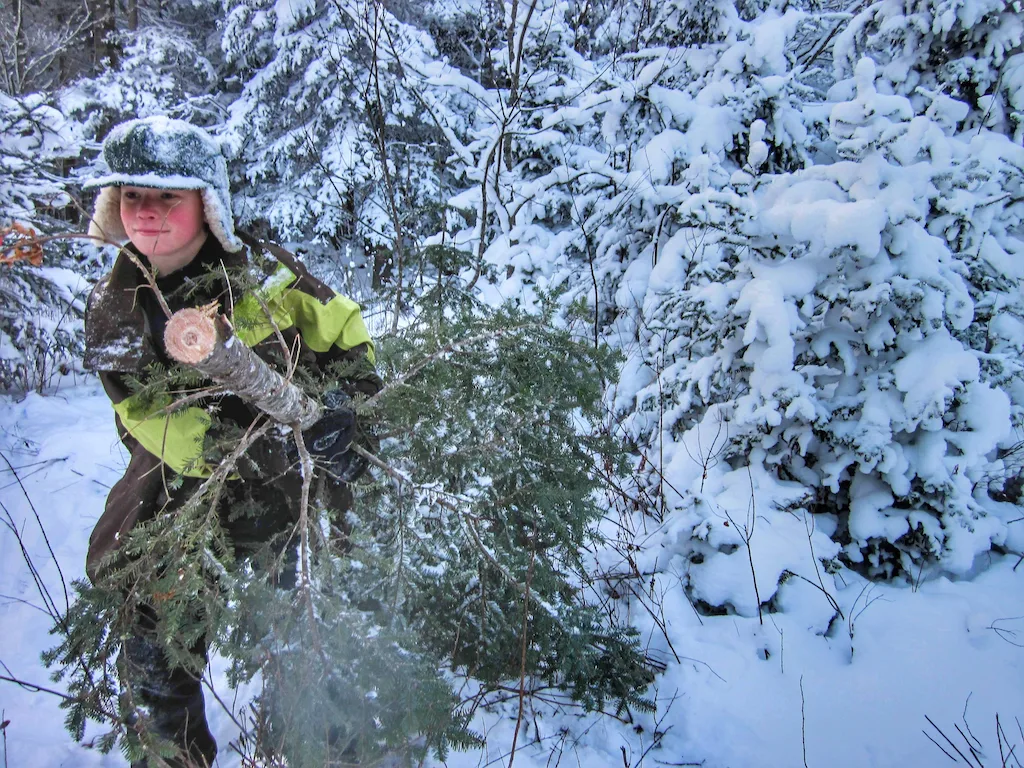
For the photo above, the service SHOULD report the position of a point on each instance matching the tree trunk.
(110, 32)
(207, 343)
(96, 27)
(20, 63)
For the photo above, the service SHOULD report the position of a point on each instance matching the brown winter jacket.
(120, 344)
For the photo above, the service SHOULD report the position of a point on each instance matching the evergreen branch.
(198, 396)
(465, 518)
(447, 349)
(306, 462)
(227, 465)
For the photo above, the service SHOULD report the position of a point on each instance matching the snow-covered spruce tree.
(687, 133)
(463, 557)
(41, 293)
(969, 51)
(846, 348)
(962, 64)
(162, 70)
(332, 143)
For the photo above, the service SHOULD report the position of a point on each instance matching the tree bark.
(207, 343)
(110, 32)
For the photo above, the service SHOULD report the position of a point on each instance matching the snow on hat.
(163, 153)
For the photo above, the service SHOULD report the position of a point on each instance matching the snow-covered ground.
(740, 695)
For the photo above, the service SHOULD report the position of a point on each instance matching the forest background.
(798, 225)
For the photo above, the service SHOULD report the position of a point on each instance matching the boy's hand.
(330, 439)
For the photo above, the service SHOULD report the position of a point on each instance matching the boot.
(170, 700)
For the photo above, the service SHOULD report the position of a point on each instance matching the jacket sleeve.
(330, 325)
(176, 439)
(331, 329)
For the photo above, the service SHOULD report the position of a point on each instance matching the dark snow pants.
(170, 698)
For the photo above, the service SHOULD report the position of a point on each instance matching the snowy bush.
(160, 72)
(852, 330)
(968, 50)
(41, 307)
(41, 311)
(34, 138)
(818, 300)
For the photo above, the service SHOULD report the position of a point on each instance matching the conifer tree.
(972, 52)
(326, 131)
(40, 309)
(465, 556)
(812, 312)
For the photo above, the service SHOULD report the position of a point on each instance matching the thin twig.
(34, 688)
(307, 478)
(933, 741)
(803, 721)
(522, 659)
(943, 735)
(46, 539)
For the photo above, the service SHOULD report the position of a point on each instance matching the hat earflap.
(219, 221)
(106, 217)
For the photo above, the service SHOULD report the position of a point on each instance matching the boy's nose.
(147, 207)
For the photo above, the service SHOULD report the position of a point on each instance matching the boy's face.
(167, 225)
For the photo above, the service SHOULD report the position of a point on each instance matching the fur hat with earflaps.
(162, 153)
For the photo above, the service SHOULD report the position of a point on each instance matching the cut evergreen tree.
(466, 556)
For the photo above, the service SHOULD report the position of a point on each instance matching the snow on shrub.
(819, 298)
(860, 342)
(41, 307)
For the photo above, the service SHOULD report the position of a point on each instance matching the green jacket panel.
(119, 343)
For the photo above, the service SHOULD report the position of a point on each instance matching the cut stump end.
(190, 336)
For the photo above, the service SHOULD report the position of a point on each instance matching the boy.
(166, 195)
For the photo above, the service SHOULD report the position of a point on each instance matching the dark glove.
(330, 439)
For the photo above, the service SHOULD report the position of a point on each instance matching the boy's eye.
(130, 195)
(168, 196)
